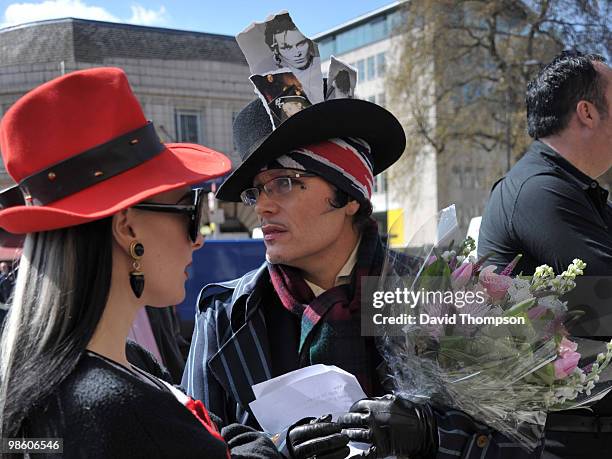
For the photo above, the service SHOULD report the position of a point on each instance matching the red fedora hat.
(80, 149)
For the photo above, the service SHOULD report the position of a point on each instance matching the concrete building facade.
(190, 84)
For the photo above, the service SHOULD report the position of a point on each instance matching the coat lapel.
(244, 359)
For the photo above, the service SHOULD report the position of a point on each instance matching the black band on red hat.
(85, 169)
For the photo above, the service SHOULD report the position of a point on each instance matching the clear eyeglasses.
(275, 187)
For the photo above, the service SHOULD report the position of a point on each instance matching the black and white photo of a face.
(292, 107)
(277, 44)
(342, 85)
(288, 45)
(341, 80)
(292, 49)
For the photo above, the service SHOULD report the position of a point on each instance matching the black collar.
(580, 177)
(586, 183)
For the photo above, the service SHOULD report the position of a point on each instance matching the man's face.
(293, 49)
(291, 108)
(607, 119)
(302, 224)
(602, 134)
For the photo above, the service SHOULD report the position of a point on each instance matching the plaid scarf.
(331, 323)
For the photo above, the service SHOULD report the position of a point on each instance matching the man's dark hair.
(281, 23)
(553, 94)
(361, 217)
(343, 81)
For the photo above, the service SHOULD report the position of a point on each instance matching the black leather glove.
(393, 425)
(312, 437)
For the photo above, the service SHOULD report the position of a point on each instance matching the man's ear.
(352, 207)
(122, 228)
(587, 114)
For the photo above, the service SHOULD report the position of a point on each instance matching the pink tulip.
(566, 347)
(537, 312)
(496, 285)
(462, 275)
(565, 365)
(430, 260)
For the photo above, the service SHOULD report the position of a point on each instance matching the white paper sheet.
(312, 391)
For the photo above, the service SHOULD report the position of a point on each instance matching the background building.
(190, 84)
(371, 44)
(193, 84)
(366, 43)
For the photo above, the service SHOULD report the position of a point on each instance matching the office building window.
(188, 126)
(327, 47)
(371, 68)
(376, 29)
(381, 64)
(372, 98)
(361, 70)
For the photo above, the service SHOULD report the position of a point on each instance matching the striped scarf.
(331, 323)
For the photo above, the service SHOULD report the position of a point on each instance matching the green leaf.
(436, 276)
(546, 374)
(520, 308)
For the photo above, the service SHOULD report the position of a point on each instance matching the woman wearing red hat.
(111, 223)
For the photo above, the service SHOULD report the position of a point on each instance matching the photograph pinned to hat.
(340, 133)
(282, 93)
(80, 149)
(277, 43)
(341, 80)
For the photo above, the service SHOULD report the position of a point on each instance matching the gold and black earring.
(136, 276)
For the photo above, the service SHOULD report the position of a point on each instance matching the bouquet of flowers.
(490, 344)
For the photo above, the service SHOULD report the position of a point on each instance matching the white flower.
(553, 303)
(519, 290)
(590, 385)
(544, 271)
(564, 391)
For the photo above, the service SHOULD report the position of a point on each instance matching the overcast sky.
(215, 16)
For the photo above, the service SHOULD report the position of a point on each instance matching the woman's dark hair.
(61, 291)
(553, 94)
(361, 217)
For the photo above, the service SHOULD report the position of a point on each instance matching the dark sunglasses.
(11, 197)
(195, 211)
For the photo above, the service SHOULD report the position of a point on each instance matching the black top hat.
(258, 143)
